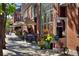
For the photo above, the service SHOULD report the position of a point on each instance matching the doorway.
(61, 21)
(61, 28)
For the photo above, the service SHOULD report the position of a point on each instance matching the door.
(61, 21)
(61, 28)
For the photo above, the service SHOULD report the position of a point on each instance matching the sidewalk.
(17, 47)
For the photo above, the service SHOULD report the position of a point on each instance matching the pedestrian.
(24, 34)
(9, 32)
(30, 35)
(56, 37)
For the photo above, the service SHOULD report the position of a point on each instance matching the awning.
(29, 21)
(18, 23)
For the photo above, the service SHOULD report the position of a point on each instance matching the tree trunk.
(1, 35)
(2, 30)
(4, 24)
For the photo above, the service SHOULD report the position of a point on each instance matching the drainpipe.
(66, 20)
(40, 20)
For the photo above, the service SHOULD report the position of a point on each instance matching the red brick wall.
(72, 15)
(72, 24)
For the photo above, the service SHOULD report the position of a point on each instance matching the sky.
(18, 5)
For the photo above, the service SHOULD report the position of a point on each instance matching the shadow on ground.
(20, 53)
(15, 39)
(65, 55)
(77, 49)
(17, 47)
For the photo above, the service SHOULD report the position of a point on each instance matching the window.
(32, 10)
(46, 14)
(63, 11)
(50, 28)
(61, 28)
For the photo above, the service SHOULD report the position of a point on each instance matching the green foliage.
(1, 11)
(48, 37)
(8, 22)
(10, 8)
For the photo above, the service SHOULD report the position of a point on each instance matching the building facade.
(31, 12)
(72, 25)
(61, 19)
(67, 24)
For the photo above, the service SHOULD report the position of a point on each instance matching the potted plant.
(48, 40)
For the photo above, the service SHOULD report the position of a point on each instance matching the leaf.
(1, 11)
(10, 8)
(8, 22)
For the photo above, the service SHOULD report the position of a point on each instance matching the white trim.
(50, 22)
(61, 17)
(60, 26)
(66, 28)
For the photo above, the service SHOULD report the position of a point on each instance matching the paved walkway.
(17, 47)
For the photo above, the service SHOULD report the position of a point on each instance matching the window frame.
(47, 12)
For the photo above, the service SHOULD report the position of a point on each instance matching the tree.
(9, 8)
(8, 25)
(5, 9)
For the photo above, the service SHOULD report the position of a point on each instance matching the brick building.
(72, 12)
(59, 19)
(31, 12)
(65, 21)
(68, 18)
